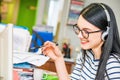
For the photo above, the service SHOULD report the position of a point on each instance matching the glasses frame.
(87, 32)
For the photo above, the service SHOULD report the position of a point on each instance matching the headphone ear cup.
(105, 34)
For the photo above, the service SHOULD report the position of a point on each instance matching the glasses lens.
(76, 29)
(84, 34)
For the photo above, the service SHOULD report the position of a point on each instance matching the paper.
(32, 58)
(21, 39)
(38, 74)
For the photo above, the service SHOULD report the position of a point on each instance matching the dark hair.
(96, 15)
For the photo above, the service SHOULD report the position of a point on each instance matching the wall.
(9, 11)
(67, 32)
(48, 13)
(27, 13)
(114, 4)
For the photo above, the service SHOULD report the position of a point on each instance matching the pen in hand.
(40, 48)
(36, 47)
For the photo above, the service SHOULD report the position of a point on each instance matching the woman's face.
(94, 39)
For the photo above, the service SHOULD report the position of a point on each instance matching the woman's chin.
(85, 48)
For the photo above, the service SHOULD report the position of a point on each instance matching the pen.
(36, 47)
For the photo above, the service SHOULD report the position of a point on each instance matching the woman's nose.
(80, 35)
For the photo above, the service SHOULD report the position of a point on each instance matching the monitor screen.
(6, 66)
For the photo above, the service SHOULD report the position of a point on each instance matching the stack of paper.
(23, 74)
(21, 39)
(32, 58)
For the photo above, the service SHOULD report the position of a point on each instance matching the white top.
(89, 69)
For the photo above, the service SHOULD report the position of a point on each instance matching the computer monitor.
(6, 66)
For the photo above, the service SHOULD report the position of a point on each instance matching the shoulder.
(113, 59)
(113, 67)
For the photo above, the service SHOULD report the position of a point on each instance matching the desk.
(50, 66)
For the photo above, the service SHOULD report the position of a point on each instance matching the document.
(32, 58)
(21, 39)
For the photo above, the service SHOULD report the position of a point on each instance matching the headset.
(105, 33)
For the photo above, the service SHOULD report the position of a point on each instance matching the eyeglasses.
(84, 33)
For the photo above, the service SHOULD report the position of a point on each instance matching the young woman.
(100, 46)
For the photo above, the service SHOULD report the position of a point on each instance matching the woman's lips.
(84, 42)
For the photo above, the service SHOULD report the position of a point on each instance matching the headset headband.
(106, 11)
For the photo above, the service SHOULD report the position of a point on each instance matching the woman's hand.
(50, 49)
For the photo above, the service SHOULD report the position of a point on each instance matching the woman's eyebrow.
(87, 29)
